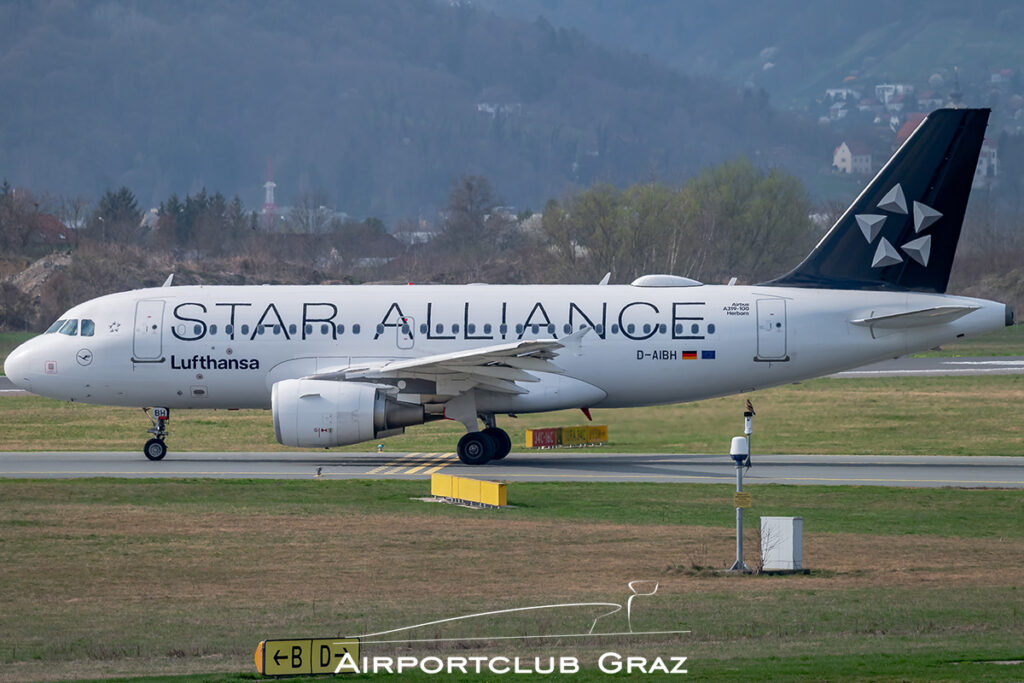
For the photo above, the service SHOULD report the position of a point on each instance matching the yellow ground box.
(493, 493)
(469, 490)
(441, 485)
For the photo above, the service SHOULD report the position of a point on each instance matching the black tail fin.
(902, 231)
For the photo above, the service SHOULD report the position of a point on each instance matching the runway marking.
(1013, 370)
(440, 459)
(393, 463)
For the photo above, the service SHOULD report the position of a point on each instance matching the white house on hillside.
(852, 157)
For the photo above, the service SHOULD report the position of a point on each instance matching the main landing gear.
(155, 448)
(479, 448)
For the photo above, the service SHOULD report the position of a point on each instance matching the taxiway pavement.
(589, 464)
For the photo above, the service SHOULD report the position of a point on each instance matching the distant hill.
(795, 49)
(378, 105)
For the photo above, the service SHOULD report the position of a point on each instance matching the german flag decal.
(689, 355)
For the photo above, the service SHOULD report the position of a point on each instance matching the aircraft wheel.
(476, 448)
(502, 442)
(155, 449)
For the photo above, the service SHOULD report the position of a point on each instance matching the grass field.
(914, 416)
(125, 578)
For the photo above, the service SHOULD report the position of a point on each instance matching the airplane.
(340, 365)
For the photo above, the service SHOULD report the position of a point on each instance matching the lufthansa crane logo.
(84, 357)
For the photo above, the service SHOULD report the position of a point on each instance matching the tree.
(116, 217)
(310, 214)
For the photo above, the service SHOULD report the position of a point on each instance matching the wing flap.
(498, 367)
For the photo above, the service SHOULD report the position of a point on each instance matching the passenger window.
(355, 328)
(197, 329)
(551, 329)
(323, 329)
(292, 329)
(487, 328)
(88, 327)
(662, 328)
(70, 328)
(341, 329)
(54, 327)
(213, 328)
(455, 329)
(536, 329)
(503, 329)
(599, 328)
(229, 329)
(277, 329)
(647, 328)
(439, 328)
(423, 328)
(615, 328)
(694, 329)
(471, 328)
(711, 328)
(568, 328)
(245, 329)
(630, 328)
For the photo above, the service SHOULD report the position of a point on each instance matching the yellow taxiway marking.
(441, 457)
(397, 461)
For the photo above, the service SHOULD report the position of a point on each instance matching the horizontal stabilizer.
(926, 316)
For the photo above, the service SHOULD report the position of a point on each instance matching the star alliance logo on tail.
(895, 202)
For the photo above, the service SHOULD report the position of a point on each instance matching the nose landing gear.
(155, 448)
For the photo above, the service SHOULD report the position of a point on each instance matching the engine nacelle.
(311, 413)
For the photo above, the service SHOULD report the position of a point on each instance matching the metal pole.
(739, 452)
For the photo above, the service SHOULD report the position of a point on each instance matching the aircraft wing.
(499, 367)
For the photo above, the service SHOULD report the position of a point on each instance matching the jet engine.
(310, 413)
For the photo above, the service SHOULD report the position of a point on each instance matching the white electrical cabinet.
(782, 542)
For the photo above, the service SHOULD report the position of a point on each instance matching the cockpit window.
(54, 327)
(88, 327)
(70, 328)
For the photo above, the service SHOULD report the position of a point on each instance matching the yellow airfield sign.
(307, 656)
(742, 499)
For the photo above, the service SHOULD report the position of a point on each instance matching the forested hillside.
(377, 104)
(795, 49)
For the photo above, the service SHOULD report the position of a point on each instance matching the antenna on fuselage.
(167, 282)
(606, 278)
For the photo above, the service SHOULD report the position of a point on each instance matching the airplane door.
(406, 333)
(771, 330)
(148, 344)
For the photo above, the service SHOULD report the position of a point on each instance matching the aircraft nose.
(17, 367)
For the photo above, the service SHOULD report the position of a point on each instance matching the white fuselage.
(224, 347)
